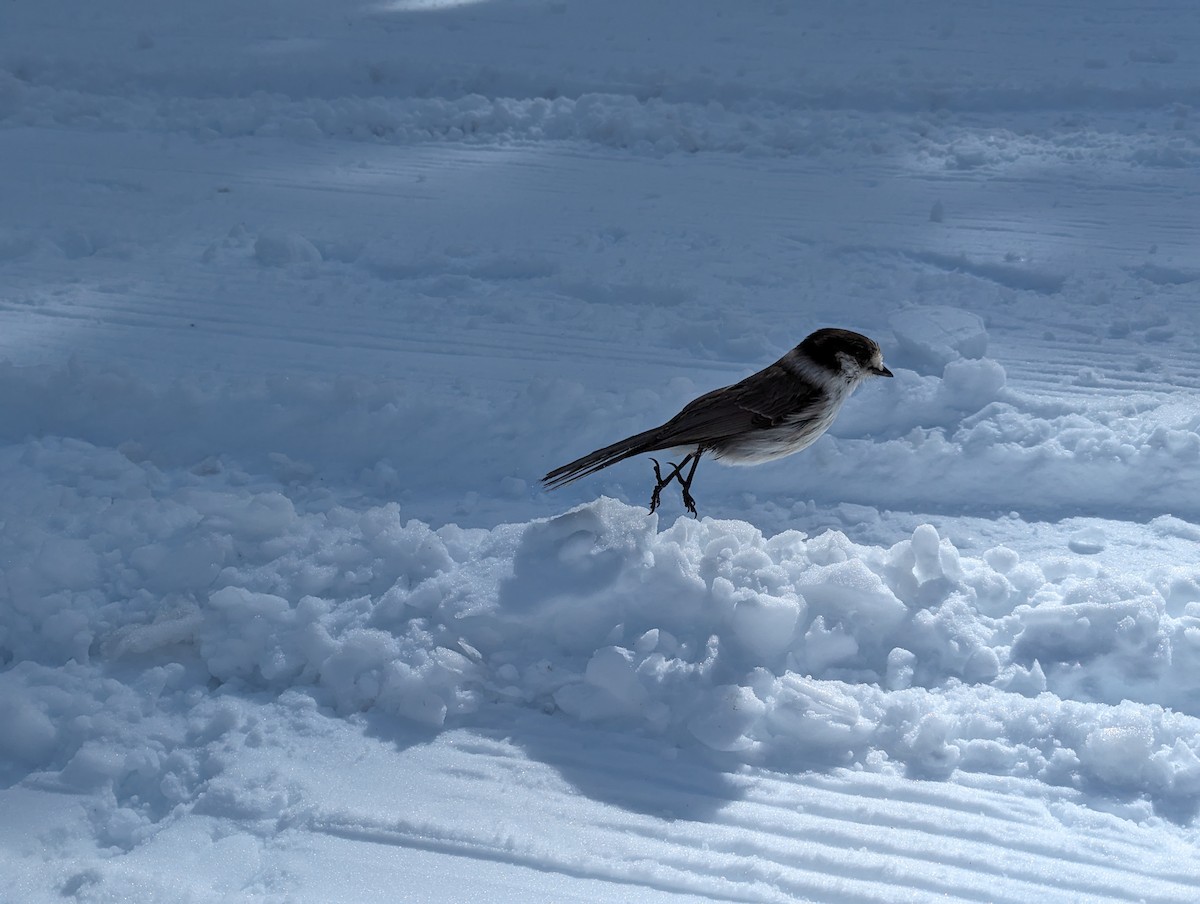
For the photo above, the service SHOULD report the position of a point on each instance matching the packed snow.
(298, 303)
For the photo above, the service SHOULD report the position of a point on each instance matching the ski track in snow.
(786, 838)
(328, 223)
(266, 272)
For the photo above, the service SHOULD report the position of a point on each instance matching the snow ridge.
(786, 651)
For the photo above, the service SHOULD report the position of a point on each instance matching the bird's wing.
(758, 402)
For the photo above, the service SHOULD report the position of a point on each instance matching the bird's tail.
(602, 458)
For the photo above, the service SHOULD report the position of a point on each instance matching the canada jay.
(775, 412)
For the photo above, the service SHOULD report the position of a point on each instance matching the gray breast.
(773, 442)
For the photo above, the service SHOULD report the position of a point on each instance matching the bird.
(781, 409)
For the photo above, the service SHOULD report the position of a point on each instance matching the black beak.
(884, 372)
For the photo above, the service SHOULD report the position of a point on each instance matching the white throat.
(838, 383)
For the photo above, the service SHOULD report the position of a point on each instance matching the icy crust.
(132, 592)
(640, 124)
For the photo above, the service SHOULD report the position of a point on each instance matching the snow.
(299, 301)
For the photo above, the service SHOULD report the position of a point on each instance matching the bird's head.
(844, 354)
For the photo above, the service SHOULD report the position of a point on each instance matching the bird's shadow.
(654, 776)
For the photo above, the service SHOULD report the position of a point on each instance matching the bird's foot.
(686, 483)
(675, 474)
(659, 483)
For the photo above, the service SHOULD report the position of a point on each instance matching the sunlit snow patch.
(418, 6)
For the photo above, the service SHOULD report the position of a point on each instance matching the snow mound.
(787, 650)
(279, 249)
(931, 336)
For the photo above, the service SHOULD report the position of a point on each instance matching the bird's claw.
(658, 485)
(685, 485)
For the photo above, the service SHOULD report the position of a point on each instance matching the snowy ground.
(299, 300)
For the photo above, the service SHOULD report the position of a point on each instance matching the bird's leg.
(659, 483)
(676, 473)
(675, 469)
(688, 502)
